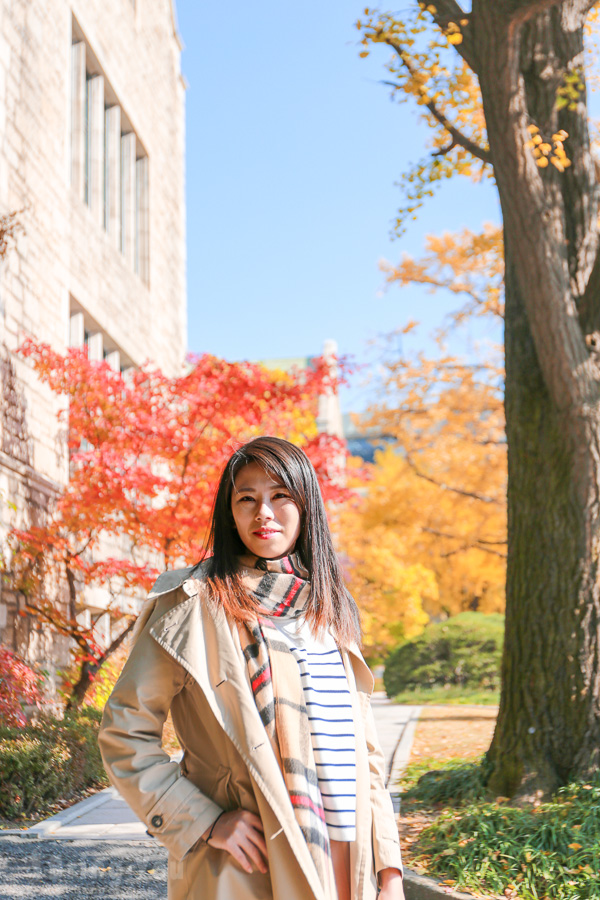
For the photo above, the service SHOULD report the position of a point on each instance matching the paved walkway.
(106, 816)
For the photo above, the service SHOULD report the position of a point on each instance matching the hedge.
(463, 650)
(49, 761)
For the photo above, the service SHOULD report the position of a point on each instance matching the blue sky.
(293, 148)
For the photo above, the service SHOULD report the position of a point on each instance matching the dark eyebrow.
(251, 490)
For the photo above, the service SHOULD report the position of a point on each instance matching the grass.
(455, 695)
(483, 844)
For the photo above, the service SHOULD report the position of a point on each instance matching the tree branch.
(457, 136)
(450, 11)
(454, 537)
(443, 151)
(472, 547)
(473, 495)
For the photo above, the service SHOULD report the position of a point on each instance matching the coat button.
(156, 821)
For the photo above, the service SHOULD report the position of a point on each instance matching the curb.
(401, 756)
(422, 887)
(55, 823)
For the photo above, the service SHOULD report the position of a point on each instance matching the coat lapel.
(204, 644)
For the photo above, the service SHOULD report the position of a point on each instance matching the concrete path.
(106, 817)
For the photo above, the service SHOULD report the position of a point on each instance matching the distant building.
(92, 138)
(363, 441)
(329, 414)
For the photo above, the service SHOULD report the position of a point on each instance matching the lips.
(265, 533)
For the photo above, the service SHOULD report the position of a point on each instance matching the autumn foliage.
(19, 687)
(427, 536)
(145, 454)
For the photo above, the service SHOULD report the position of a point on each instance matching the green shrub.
(464, 651)
(451, 782)
(550, 851)
(53, 760)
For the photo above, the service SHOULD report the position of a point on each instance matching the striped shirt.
(328, 702)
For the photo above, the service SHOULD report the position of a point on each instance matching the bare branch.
(472, 547)
(447, 487)
(455, 537)
(457, 136)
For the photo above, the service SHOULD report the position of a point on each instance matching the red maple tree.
(145, 453)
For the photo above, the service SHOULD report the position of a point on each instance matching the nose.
(265, 511)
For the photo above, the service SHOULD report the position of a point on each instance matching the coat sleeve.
(386, 843)
(175, 811)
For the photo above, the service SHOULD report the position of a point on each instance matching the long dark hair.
(329, 604)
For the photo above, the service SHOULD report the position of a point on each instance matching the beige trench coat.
(185, 659)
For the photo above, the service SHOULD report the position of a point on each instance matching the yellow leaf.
(363, 53)
(536, 139)
(150, 871)
(557, 163)
(432, 9)
(542, 162)
(532, 129)
(545, 148)
(455, 38)
(409, 326)
(575, 846)
(448, 852)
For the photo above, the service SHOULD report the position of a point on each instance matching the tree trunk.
(548, 728)
(89, 669)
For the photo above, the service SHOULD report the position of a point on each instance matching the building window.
(109, 164)
(85, 332)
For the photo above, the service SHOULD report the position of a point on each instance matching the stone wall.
(70, 260)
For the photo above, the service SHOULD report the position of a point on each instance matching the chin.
(271, 552)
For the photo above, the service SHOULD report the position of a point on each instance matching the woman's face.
(265, 515)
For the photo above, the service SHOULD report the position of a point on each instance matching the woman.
(280, 793)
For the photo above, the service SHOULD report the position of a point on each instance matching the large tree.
(513, 104)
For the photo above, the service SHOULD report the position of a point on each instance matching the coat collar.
(187, 579)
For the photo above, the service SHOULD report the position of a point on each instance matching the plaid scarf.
(282, 588)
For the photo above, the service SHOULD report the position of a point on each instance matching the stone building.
(92, 155)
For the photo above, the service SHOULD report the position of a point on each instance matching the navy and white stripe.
(328, 702)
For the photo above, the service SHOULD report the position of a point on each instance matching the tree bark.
(548, 727)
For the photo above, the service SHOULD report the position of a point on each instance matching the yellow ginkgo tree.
(503, 85)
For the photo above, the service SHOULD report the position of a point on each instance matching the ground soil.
(446, 731)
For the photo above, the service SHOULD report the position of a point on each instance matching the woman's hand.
(240, 833)
(391, 885)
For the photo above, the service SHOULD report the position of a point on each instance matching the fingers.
(253, 820)
(254, 854)
(241, 834)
